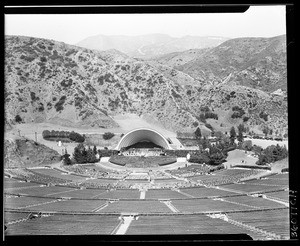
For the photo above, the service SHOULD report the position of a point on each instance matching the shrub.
(107, 152)
(59, 105)
(245, 118)
(108, 135)
(199, 158)
(18, 119)
(263, 116)
(43, 59)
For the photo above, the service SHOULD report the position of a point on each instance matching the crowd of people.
(142, 152)
(128, 180)
(95, 173)
(227, 179)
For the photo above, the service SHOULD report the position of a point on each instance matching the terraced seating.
(82, 194)
(14, 184)
(141, 206)
(95, 171)
(163, 194)
(224, 176)
(275, 221)
(190, 171)
(40, 191)
(248, 188)
(254, 201)
(280, 195)
(235, 172)
(138, 177)
(10, 217)
(185, 224)
(206, 205)
(267, 181)
(69, 206)
(20, 202)
(206, 192)
(120, 194)
(280, 176)
(56, 174)
(158, 175)
(98, 183)
(65, 225)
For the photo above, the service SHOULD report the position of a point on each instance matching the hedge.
(253, 167)
(63, 136)
(107, 152)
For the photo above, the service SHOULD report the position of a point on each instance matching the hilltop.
(50, 81)
(259, 63)
(145, 46)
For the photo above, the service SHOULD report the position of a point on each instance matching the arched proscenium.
(143, 134)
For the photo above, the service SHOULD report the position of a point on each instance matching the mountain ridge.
(148, 45)
(49, 81)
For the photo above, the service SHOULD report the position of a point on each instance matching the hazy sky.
(258, 21)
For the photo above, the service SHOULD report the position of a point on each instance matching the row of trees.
(63, 135)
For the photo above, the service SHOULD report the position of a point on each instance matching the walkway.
(123, 225)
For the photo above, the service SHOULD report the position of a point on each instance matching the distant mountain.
(258, 63)
(145, 46)
(49, 81)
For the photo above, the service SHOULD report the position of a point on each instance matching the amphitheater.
(175, 197)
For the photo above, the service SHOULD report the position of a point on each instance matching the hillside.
(145, 46)
(22, 152)
(258, 63)
(49, 81)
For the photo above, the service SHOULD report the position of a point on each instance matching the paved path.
(125, 225)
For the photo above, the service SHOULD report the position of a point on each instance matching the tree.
(232, 135)
(241, 128)
(247, 145)
(79, 154)
(217, 158)
(198, 133)
(108, 135)
(266, 130)
(95, 149)
(66, 159)
(257, 149)
(90, 156)
(205, 143)
(46, 134)
(240, 136)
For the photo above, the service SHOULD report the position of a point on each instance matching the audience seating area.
(185, 224)
(90, 200)
(275, 221)
(224, 176)
(65, 225)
